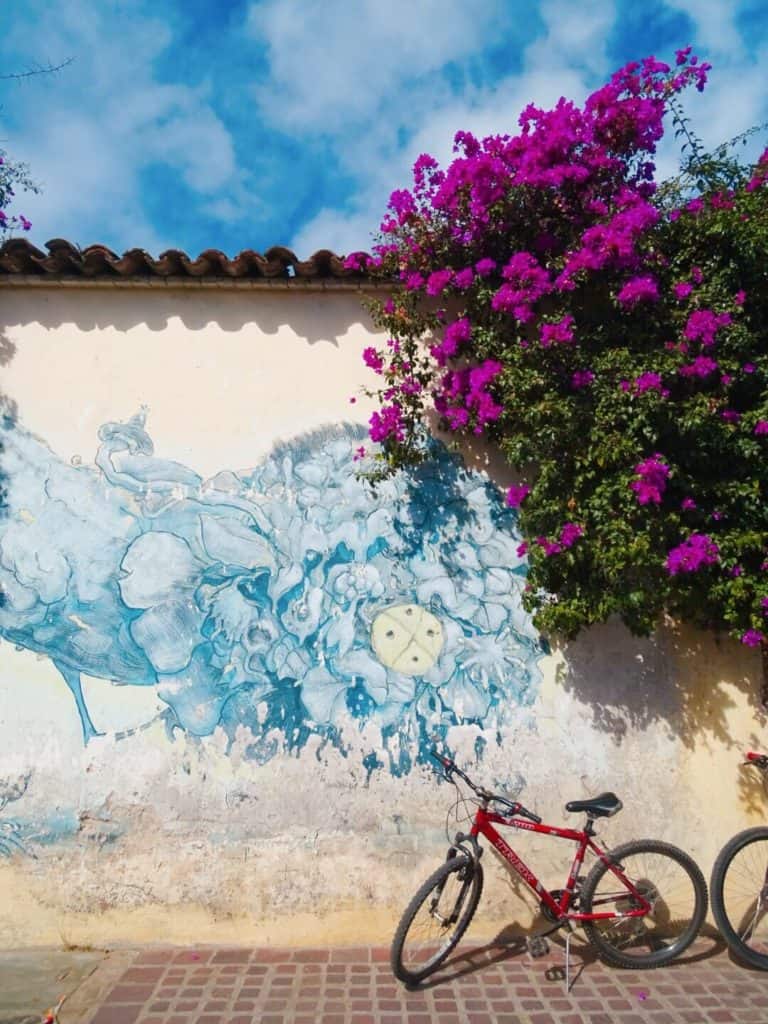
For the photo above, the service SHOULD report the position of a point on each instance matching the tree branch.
(50, 69)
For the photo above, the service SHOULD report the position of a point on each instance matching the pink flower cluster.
(526, 281)
(651, 480)
(387, 424)
(702, 366)
(581, 379)
(373, 359)
(464, 399)
(753, 638)
(560, 331)
(761, 173)
(697, 551)
(569, 534)
(644, 382)
(703, 324)
(517, 494)
(455, 335)
(639, 289)
(9, 223)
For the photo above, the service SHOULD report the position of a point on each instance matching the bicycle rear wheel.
(669, 880)
(740, 895)
(436, 918)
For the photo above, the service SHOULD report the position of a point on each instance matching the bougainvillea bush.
(610, 335)
(13, 175)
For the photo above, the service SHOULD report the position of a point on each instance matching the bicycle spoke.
(745, 895)
(433, 927)
(665, 885)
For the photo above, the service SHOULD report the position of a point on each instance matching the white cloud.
(90, 132)
(715, 26)
(333, 64)
(569, 58)
(734, 98)
(338, 230)
(554, 65)
(576, 37)
(374, 83)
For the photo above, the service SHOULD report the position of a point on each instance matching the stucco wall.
(272, 786)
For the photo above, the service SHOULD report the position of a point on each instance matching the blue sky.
(235, 124)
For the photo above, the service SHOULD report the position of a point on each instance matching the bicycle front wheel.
(740, 896)
(436, 918)
(673, 885)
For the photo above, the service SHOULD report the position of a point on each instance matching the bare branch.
(37, 69)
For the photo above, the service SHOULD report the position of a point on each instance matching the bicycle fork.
(762, 902)
(453, 917)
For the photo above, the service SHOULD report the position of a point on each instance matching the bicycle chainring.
(557, 895)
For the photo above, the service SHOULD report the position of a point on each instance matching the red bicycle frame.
(483, 825)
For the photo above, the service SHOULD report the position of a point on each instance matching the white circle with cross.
(407, 638)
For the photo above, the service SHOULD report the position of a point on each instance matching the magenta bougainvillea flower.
(639, 289)
(697, 551)
(753, 638)
(702, 366)
(652, 476)
(703, 325)
(560, 331)
(682, 290)
(387, 423)
(373, 359)
(517, 494)
(570, 533)
(650, 381)
(581, 379)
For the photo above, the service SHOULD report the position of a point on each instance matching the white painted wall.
(185, 839)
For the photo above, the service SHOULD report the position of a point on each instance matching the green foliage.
(581, 448)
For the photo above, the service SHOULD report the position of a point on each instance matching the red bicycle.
(740, 888)
(641, 905)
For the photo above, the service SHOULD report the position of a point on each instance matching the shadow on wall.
(315, 316)
(682, 680)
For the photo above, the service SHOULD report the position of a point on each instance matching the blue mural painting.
(285, 599)
(12, 789)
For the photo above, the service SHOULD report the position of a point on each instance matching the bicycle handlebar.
(451, 768)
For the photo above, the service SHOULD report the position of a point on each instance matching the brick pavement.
(480, 985)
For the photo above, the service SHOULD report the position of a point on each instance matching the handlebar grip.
(530, 815)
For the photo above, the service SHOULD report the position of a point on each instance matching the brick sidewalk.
(482, 985)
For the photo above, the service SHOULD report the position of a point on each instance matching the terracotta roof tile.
(65, 260)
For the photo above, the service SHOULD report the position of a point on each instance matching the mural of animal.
(288, 599)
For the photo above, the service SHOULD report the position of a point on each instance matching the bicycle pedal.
(537, 945)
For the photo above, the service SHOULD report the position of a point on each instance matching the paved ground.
(492, 984)
(32, 982)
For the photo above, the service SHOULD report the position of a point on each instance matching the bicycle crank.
(557, 895)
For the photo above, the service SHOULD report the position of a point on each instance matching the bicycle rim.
(740, 896)
(670, 882)
(436, 918)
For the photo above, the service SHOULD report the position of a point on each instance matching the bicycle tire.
(669, 932)
(728, 920)
(469, 876)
